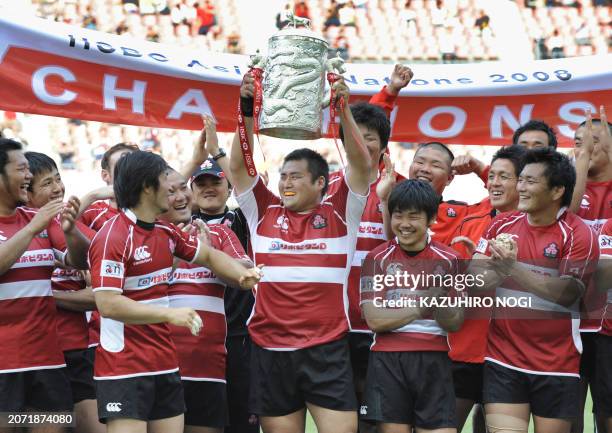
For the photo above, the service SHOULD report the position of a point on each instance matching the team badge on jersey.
(379, 208)
(111, 268)
(2, 237)
(282, 222)
(451, 212)
(43, 234)
(394, 269)
(551, 251)
(585, 204)
(319, 222)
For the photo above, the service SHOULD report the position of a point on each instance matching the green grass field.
(588, 420)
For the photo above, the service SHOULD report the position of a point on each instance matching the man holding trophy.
(306, 240)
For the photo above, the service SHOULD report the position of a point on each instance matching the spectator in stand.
(346, 15)
(341, 44)
(67, 151)
(332, 17)
(206, 17)
(408, 15)
(89, 20)
(482, 22)
(583, 34)
(438, 14)
(555, 43)
(301, 10)
(152, 34)
(281, 17)
(233, 43)
(122, 28)
(182, 13)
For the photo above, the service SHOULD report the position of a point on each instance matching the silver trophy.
(294, 82)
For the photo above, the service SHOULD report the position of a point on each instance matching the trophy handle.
(258, 61)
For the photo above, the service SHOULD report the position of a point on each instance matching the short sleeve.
(185, 246)
(255, 201)
(384, 100)
(580, 255)
(228, 242)
(57, 239)
(107, 261)
(489, 233)
(348, 204)
(605, 240)
(371, 274)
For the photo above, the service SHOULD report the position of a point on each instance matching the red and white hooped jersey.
(370, 235)
(72, 326)
(389, 259)
(137, 262)
(543, 338)
(94, 217)
(605, 246)
(301, 300)
(203, 357)
(28, 316)
(595, 209)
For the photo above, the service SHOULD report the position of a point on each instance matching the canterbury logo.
(2, 237)
(113, 407)
(141, 253)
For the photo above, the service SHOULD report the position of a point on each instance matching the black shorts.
(143, 397)
(548, 396)
(414, 388)
(238, 373)
(80, 373)
(43, 390)
(587, 359)
(206, 403)
(359, 346)
(283, 381)
(467, 377)
(602, 385)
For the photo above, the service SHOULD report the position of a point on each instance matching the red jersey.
(300, 301)
(595, 209)
(470, 342)
(566, 248)
(450, 215)
(28, 317)
(605, 246)
(202, 357)
(135, 261)
(72, 326)
(94, 217)
(371, 234)
(389, 259)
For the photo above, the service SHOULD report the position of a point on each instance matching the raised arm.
(583, 150)
(12, 249)
(76, 242)
(383, 191)
(241, 179)
(358, 158)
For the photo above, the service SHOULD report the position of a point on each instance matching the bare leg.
(293, 423)
(333, 421)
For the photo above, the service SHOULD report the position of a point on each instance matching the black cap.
(210, 167)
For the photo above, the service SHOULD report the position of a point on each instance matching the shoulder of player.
(443, 250)
(573, 222)
(381, 249)
(607, 228)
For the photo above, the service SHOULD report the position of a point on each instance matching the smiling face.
(410, 228)
(534, 193)
(210, 194)
(599, 157)
(502, 185)
(297, 189)
(15, 180)
(179, 200)
(432, 166)
(160, 198)
(46, 187)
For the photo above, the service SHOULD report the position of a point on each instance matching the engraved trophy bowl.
(294, 83)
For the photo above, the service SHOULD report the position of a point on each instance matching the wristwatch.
(219, 155)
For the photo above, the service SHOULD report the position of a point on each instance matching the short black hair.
(133, 173)
(105, 162)
(437, 145)
(536, 125)
(317, 165)
(515, 154)
(7, 145)
(558, 171)
(372, 117)
(596, 122)
(413, 194)
(40, 163)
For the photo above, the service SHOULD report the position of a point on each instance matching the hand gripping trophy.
(293, 76)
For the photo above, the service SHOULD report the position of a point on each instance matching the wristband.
(246, 105)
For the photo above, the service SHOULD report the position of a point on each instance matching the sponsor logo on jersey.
(141, 255)
(585, 204)
(43, 234)
(482, 246)
(551, 251)
(113, 407)
(371, 230)
(113, 269)
(451, 212)
(154, 279)
(319, 222)
(2, 237)
(605, 241)
(40, 257)
(277, 246)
